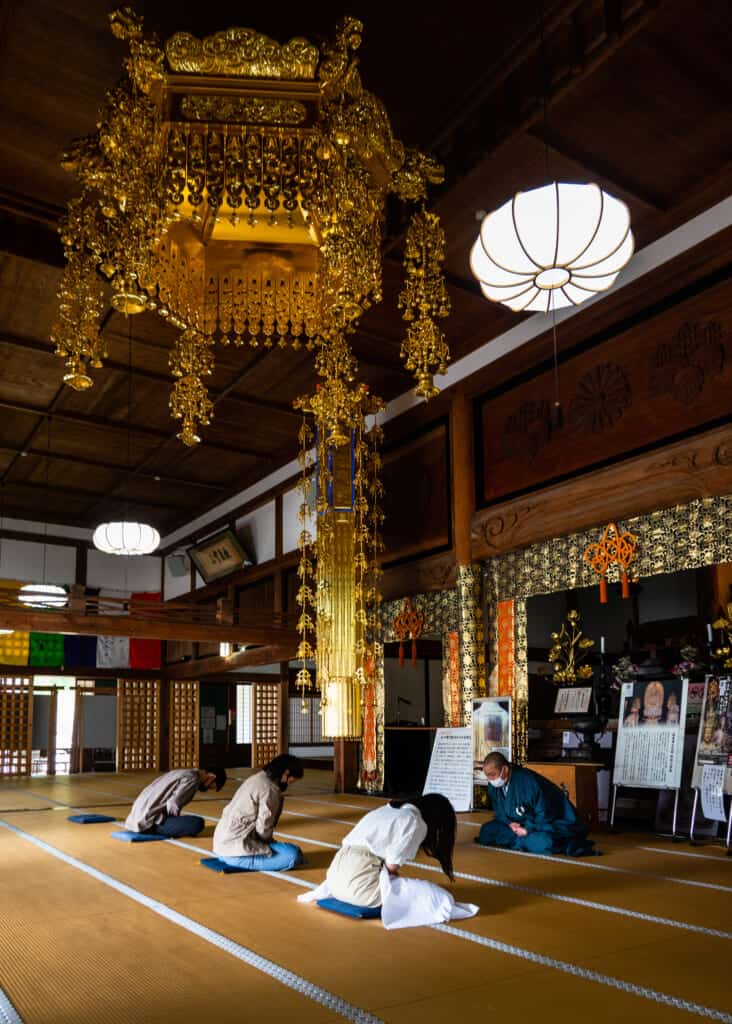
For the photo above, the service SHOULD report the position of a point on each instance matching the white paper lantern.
(43, 595)
(552, 247)
(126, 538)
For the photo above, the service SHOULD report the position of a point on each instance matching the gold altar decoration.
(570, 648)
(408, 625)
(669, 540)
(723, 651)
(237, 187)
(338, 590)
(614, 548)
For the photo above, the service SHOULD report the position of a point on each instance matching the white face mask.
(498, 783)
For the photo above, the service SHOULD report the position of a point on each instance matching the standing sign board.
(651, 726)
(451, 767)
(491, 727)
(714, 743)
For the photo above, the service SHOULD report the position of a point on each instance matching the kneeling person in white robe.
(243, 836)
(157, 809)
(365, 871)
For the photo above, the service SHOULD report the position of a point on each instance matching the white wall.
(116, 572)
(291, 525)
(257, 533)
(175, 586)
(24, 561)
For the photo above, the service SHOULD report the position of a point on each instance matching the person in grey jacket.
(243, 836)
(157, 809)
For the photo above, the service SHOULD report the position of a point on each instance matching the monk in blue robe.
(532, 814)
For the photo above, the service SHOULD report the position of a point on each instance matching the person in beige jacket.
(243, 836)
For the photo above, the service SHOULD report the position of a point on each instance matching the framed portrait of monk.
(218, 556)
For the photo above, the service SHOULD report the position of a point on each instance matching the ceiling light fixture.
(43, 595)
(123, 537)
(552, 247)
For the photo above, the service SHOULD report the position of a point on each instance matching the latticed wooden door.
(183, 731)
(16, 725)
(265, 723)
(138, 724)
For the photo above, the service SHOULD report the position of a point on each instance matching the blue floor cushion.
(214, 864)
(136, 837)
(349, 909)
(88, 819)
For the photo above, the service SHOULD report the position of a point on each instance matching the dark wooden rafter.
(277, 408)
(512, 102)
(120, 426)
(553, 140)
(88, 494)
(114, 467)
(168, 438)
(252, 657)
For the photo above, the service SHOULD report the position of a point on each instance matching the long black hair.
(439, 817)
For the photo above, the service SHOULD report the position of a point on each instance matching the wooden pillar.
(462, 473)
(345, 765)
(283, 727)
(164, 730)
(52, 721)
(76, 736)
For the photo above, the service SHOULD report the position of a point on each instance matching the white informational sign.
(451, 767)
(651, 725)
(491, 726)
(712, 786)
(573, 700)
(714, 742)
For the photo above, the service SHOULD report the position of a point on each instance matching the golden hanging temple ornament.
(338, 593)
(614, 548)
(237, 187)
(408, 625)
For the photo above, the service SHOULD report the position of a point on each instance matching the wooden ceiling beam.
(153, 628)
(279, 408)
(99, 422)
(252, 657)
(92, 496)
(30, 208)
(596, 166)
(174, 481)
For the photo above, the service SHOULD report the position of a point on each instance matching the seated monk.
(532, 814)
(243, 836)
(157, 808)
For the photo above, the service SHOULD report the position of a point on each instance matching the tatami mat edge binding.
(301, 985)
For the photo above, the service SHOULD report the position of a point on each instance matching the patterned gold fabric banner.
(505, 647)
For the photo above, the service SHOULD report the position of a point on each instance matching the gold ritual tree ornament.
(570, 648)
(237, 187)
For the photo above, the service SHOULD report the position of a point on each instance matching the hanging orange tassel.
(625, 585)
(401, 654)
(414, 652)
(603, 590)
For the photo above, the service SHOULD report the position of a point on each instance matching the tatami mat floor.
(97, 931)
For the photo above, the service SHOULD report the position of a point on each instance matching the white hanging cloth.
(407, 902)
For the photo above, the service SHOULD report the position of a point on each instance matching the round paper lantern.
(126, 538)
(552, 247)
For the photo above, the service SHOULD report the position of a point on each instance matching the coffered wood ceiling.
(639, 102)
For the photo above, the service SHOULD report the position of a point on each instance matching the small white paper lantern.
(126, 538)
(552, 247)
